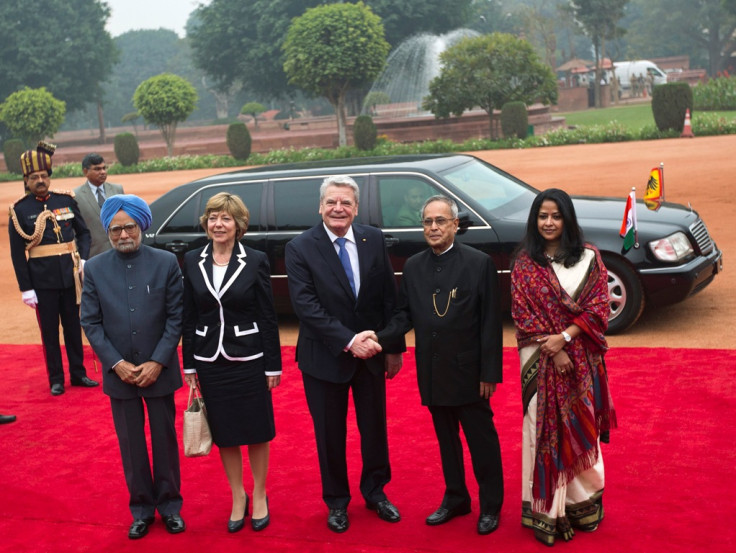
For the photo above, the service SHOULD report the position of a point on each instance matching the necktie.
(345, 260)
(100, 196)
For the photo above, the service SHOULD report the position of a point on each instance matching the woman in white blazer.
(231, 346)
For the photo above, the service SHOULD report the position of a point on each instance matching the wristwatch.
(567, 337)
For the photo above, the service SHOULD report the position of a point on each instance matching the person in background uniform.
(49, 242)
(449, 294)
(132, 316)
(91, 195)
(341, 281)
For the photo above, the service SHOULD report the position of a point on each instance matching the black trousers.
(54, 305)
(485, 453)
(328, 405)
(157, 490)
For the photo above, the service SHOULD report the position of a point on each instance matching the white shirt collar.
(448, 249)
(94, 188)
(349, 235)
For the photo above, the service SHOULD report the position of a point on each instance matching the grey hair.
(443, 199)
(340, 181)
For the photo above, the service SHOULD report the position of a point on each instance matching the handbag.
(197, 436)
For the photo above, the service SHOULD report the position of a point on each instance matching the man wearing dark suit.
(449, 295)
(341, 281)
(91, 195)
(49, 243)
(132, 316)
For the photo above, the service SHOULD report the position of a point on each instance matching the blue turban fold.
(132, 205)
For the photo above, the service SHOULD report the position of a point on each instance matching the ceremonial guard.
(49, 242)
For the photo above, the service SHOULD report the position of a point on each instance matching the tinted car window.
(490, 188)
(186, 219)
(296, 202)
(402, 198)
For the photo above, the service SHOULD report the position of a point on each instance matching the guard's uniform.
(50, 268)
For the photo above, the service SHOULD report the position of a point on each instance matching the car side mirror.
(465, 222)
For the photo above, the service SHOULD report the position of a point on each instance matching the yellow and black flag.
(654, 196)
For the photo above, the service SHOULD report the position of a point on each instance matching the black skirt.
(238, 401)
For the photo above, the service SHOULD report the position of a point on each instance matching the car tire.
(625, 294)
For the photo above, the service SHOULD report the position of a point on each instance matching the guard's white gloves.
(29, 298)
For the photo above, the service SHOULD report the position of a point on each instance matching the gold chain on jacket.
(35, 238)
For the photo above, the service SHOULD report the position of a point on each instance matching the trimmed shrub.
(12, 150)
(365, 133)
(126, 148)
(669, 104)
(238, 140)
(716, 94)
(514, 120)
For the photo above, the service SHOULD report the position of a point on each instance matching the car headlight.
(673, 248)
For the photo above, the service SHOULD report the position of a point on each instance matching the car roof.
(420, 163)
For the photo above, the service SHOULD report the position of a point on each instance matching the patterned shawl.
(572, 408)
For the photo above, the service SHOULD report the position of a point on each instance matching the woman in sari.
(559, 289)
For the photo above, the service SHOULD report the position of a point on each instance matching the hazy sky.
(150, 14)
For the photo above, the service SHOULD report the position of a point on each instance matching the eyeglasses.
(439, 221)
(131, 229)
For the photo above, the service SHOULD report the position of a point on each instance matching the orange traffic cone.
(687, 129)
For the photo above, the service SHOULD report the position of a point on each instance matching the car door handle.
(391, 241)
(176, 247)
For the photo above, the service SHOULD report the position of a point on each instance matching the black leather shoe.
(5, 419)
(237, 525)
(487, 523)
(85, 382)
(57, 389)
(386, 510)
(174, 524)
(259, 524)
(442, 515)
(139, 528)
(337, 520)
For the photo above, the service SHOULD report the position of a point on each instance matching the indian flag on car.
(628, 226)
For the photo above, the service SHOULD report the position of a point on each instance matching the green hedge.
(702, 124)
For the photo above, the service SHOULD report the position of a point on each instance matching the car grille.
(700, 233)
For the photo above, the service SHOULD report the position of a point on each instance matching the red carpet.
(669, 469)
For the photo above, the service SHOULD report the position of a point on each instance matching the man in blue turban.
(132, 316)
(134, 206)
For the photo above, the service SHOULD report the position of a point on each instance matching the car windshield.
(490, 187)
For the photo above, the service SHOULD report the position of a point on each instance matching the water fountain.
(409, 70)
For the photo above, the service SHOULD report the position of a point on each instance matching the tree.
(405, 18)
(32, 114)
(240, 41)
(599, 20)
(61, 45)
(489, 71)
(333, 48)
(165, 101)
(704, 30)
(253, 109)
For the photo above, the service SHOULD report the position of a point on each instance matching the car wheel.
(625, 295)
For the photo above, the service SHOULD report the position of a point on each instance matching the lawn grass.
(632, 116)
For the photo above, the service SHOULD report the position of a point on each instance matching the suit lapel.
(364, 249)
(234, 268)
(88, 197)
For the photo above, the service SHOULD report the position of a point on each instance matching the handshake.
(365, 345)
